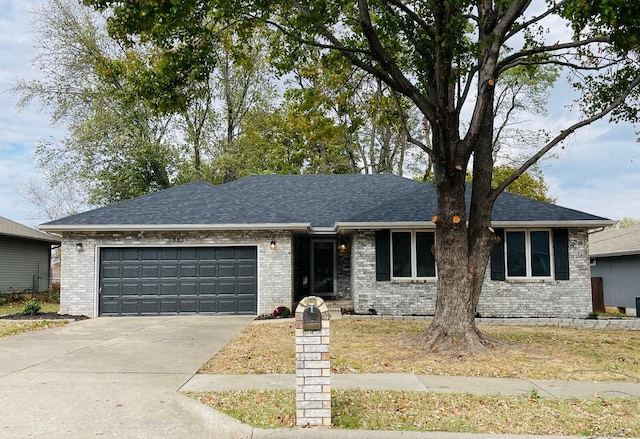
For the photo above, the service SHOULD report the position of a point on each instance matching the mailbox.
(311, 319)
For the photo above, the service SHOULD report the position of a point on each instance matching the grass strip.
(428, 411)
(11, 327)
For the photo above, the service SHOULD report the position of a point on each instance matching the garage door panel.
(246, 288)
(246, 306)
(169, 271)
(150, 271)
(227, 306)
(150, 307)
(169, 307)
(208, 254)
(177, 280)
(227, 253)
(150, 254)
(111, 272)
(208, 306)
(246, 270)
(149, 289)
(131, 254)
(169, 254)
(189, 289)
(130, 289)
(129, 307)
(226, 288)
(130, 272)
(228, 270)
(210, 271)
(246, 253)
(188, 271)
(111, 254)
(188, 306)
(208, 289)
(168, 288)
(188, 254)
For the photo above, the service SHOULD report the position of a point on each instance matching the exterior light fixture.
(79, 247)
(273, 244)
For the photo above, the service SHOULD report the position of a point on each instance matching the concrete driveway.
(109, 377)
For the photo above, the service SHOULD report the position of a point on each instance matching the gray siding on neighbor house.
(533, 298)
(20, 261)
(621, 279)
(80, 270)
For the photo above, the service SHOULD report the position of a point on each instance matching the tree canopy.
(448, 58)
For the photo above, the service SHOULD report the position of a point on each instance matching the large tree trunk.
(463, 245)
(461, 258)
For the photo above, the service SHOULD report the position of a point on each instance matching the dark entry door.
(178, 280)
(323, 267)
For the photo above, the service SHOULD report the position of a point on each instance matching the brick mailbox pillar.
(313, 389)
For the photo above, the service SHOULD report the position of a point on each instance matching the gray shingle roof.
(17, 230)
(320, 201)
(617, 242)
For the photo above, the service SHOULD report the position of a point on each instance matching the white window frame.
(414, 255)
(527, 251)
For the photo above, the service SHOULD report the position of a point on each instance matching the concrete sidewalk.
(424, 383)
(232, 428)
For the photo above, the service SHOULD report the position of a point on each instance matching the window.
(528, 253)
(411, 255)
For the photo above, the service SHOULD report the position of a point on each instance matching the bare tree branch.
(563, 135)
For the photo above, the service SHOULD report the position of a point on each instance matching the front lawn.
(385, 346)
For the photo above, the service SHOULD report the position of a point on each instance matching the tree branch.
(562, 136)
(512, 60)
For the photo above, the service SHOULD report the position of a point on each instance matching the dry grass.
(11, 327)
(384, 346)
(17, 307)
(425, 411)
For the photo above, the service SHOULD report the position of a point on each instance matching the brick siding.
(571, 298)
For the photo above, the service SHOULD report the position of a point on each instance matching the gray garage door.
(176, 280)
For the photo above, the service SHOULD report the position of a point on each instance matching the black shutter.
(497, 258)
(561, 253)
(383, 255)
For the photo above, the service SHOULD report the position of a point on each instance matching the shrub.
(31, 307)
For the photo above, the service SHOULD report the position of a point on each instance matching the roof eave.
(344, 226)
(589, 224)
(170, 227)
(50, 240)
(630, 252)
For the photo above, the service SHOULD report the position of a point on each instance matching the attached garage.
(178, 280)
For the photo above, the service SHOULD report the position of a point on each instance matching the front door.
(324, 280)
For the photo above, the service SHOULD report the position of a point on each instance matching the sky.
(598, 171)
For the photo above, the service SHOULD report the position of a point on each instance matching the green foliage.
(627, 222)
(31, 307)
(530, 184)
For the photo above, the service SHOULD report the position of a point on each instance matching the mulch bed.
(43, 316)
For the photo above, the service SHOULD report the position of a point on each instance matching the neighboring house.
(261, 242)
(25, 258)
(615, 257)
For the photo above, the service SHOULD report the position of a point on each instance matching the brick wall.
(570, 298)
(79, 270)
